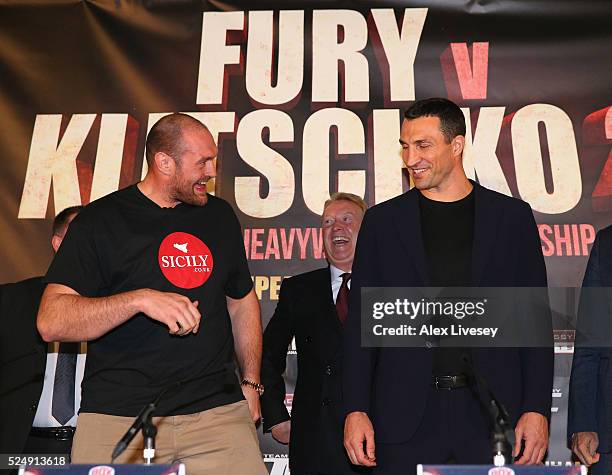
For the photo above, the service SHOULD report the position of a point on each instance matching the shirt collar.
(335, 272)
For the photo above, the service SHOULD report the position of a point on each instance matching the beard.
(184, 191)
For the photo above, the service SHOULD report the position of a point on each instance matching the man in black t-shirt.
(155, 277)
(419, 405)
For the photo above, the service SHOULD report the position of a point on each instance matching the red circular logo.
(185, 260)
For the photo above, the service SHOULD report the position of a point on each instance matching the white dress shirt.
(336, 280)
(43, 417)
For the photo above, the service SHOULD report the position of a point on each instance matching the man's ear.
(458, 145)
(55, 242)
(164, 163)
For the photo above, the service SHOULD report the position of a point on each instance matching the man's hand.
(176, 311)
(532, 428)
(584, 445)
(252, 397)
(357, 429)
(282, 432)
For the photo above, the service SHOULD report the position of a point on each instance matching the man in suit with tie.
(589, 425)
(419, 405)
(312, 307)
(39, 393)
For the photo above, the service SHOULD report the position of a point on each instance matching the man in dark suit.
(417, 405)
(306, 311)
(25, 427)
(589, 425)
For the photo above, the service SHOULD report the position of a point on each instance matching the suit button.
(326, 402)
(328, 370)
(308, 339)
(33, 407)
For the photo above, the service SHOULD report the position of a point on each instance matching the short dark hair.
(452, 121)
(165, 135)
(60, 223)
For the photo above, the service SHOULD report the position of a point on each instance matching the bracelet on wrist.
(252, 384)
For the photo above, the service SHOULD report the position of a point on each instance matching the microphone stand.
(144, 419)
(502, 437)
(503, 434)
(149, 431)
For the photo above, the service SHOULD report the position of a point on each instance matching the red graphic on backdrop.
(185, 260)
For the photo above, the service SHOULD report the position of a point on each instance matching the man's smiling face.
(429, 157)
(341, 223)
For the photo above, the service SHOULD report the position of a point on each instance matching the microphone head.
(118, 450)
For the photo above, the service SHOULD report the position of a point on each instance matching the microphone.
(503, 433)
(144, 416)
(133, 430)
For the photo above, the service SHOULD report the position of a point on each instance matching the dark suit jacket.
(23, 356)
(590, 393)
(306, 310)
(391, 384)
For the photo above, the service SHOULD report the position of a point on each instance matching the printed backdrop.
(305, 99)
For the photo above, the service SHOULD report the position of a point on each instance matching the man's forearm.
(246, 328)
(72, 317)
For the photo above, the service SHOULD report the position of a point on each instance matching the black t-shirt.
(124, 242)
(448, 236)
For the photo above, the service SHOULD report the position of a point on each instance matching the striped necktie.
(62, 405)
(342, 298)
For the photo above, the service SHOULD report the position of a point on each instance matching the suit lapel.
(486, 217)
(407, 221)
(324, 289)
